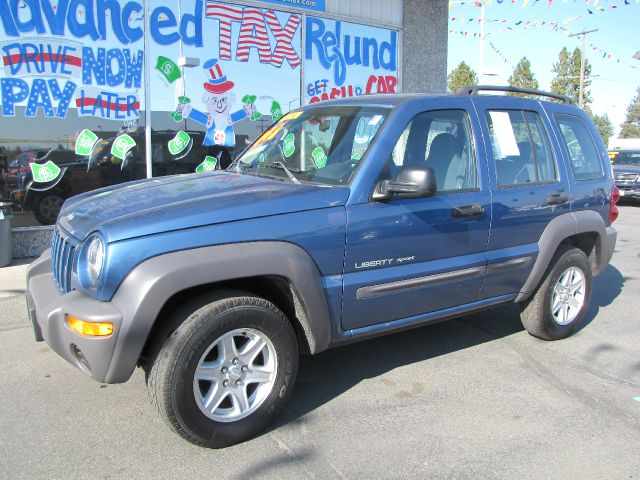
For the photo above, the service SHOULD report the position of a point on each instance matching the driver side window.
(440, 140)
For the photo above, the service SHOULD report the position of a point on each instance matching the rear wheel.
(225, 373)
(560, 303)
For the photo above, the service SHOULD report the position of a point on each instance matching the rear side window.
(521, 148)
(585, 159)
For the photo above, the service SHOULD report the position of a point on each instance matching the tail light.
(613, 209)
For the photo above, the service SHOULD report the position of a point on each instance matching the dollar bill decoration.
(122, 145)
(44, 173)
(177, 116)
(251, 99)
(168, 69)
(178, 143)
(209, 165)
(288, 145)
(319, 157)
(276, 111)
(85, 142)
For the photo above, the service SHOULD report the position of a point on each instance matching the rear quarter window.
(585, 158)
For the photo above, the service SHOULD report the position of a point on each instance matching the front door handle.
(557, 199)
(467, 211)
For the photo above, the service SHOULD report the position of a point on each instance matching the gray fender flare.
(561, 228)
(147, 288)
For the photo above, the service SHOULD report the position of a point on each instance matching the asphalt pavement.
(471, 398)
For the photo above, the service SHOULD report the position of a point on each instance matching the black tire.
(172, 368)
(536, 313)
(47, 208)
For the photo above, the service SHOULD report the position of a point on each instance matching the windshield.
(321, 145)
(628, 158)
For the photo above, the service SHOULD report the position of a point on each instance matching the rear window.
(585, 159)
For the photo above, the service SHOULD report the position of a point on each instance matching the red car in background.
(14, 170)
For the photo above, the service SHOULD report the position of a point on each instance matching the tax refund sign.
(344, 59)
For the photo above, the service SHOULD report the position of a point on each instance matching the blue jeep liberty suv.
(344, 220)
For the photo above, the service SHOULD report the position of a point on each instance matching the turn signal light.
(91, 329)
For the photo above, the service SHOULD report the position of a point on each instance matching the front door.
(407, 257)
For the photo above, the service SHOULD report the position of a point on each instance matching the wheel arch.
(585, 230)
(281, 272)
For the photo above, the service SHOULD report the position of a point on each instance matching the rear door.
(529, 187)
(408, 257)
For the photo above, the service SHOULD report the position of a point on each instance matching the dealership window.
(74, 94)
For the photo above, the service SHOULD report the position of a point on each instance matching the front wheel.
(560, 303)
(225, 373)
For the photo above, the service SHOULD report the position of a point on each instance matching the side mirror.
(411, 182)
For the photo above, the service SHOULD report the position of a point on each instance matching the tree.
(567, 79)
(523, 77)
(461, 76)
(630, 128)
(604, 126)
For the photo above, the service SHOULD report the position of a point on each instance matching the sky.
(616, 77)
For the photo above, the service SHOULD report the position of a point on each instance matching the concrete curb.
(31, 241)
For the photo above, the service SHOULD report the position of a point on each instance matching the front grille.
(61, 261)
(626, 177)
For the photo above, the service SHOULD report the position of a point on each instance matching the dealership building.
(95, 92)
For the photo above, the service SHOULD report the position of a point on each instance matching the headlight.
(92, 262)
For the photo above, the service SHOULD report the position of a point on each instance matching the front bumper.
(48, 309)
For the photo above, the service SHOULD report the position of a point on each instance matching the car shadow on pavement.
(605, 289)
(325, 376)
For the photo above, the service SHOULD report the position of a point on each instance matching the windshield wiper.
(279, 164)
(287, 170)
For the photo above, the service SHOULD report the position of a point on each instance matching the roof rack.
(474, 89)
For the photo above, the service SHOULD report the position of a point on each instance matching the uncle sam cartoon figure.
(218, 99)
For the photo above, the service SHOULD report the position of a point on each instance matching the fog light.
(91, 329)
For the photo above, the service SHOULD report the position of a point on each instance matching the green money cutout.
(168, 69)
(252, 100)
(44, 173)
(249, 99)
(319, 157)
(288, 145)
(178, 143)
(177, 116)
(276, 111)
(85, 142)
(122, 145)
(356, 157)
(209, 165)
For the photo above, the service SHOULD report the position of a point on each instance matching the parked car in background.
(102, 169)
(17, 174)
(626, 170)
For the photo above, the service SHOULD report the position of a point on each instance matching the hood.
(626, 169)
(177, 202)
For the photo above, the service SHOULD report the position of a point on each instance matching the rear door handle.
(467, 211)
(557, 199)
